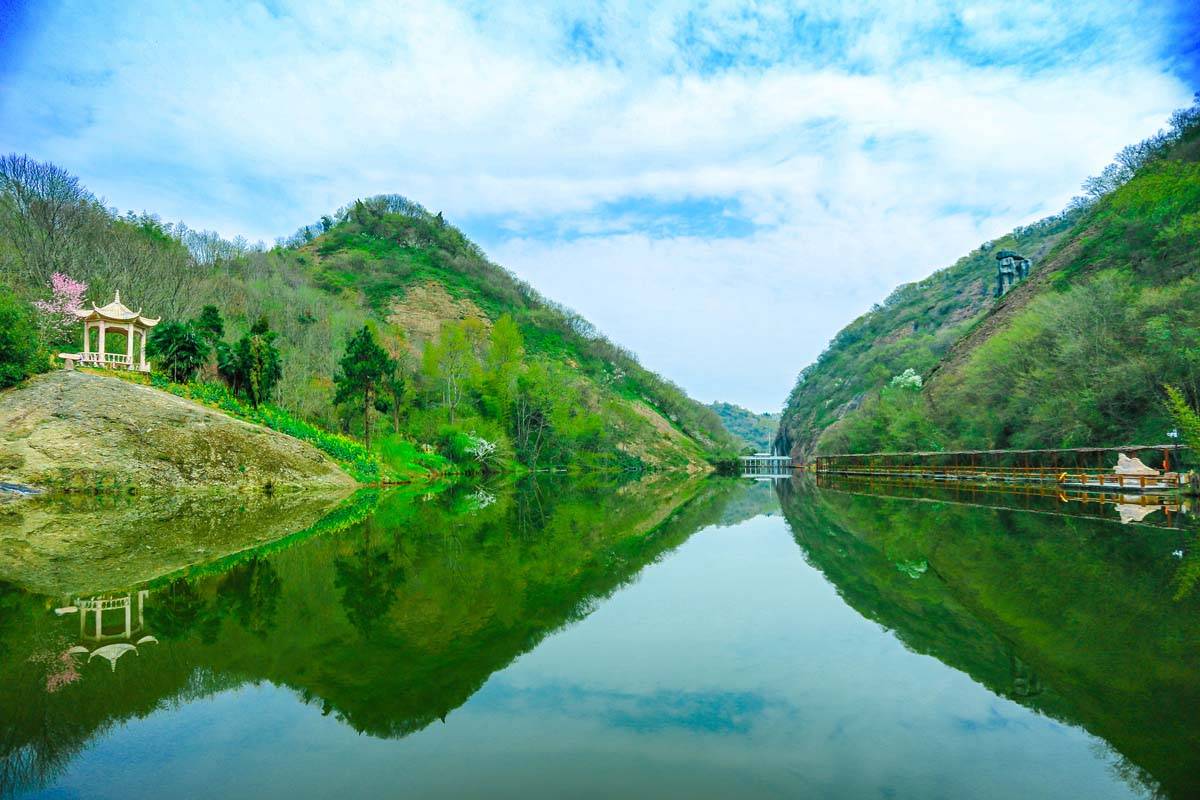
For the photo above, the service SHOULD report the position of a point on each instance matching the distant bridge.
(766, 463)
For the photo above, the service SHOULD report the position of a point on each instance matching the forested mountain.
(756, 431)
(1076, 354)
(467, 352)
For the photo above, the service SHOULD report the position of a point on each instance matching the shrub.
(21, 352)
(179, 350)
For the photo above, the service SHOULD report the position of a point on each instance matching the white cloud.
(881, 143)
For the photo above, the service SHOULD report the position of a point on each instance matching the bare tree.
(44, 215)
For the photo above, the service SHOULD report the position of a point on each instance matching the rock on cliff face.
(73, 429)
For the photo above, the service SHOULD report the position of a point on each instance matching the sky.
(719, 187)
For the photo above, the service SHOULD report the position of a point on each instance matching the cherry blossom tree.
(58, 313)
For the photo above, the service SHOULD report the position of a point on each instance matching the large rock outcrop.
(73, 430)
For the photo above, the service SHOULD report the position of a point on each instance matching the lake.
(581, 638)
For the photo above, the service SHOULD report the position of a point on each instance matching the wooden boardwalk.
(1087, 469)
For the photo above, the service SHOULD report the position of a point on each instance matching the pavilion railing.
(105, 359)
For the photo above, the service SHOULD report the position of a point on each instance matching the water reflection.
(1057, 606)
(1165, 511)
(97, 639)
(426, 623)
(388, 625)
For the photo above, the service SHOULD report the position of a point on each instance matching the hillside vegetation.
(1077, 354)
(755, 431)
(379, 319)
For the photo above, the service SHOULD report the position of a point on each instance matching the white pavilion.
(117, 318)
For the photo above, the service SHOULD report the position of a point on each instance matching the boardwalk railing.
(1067, 467)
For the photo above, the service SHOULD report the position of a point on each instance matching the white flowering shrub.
(482, 498)
(909, 379)
(481, 449)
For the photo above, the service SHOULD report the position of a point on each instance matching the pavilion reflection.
(99, 635)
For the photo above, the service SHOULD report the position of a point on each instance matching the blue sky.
(719, 187)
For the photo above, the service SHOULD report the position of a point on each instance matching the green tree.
(263, 365)
(210, 325)
(179, 349)
(537, 405)
(895, 419)
(1186, 418)
(450, 362)
(20, 347)
(506, 351)
(364, 369)
(252, 366)
(396, 383)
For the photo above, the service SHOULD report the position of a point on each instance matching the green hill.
(756, 431)
(415, 274)
(481, 355)
(1076, 354)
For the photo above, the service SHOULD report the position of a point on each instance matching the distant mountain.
(1075, 354)
(754, 430)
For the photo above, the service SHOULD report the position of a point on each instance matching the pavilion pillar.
(103, 327)
(129, 345)
(87, 331)
(143, 364)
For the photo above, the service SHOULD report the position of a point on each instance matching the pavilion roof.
(116, 311)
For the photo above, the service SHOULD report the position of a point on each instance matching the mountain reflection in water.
(730, 666)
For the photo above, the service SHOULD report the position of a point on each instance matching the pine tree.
(364, 370)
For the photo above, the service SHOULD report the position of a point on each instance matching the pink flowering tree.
(57, 317)
(58, 662)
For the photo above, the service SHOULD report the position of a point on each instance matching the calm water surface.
(698, 639)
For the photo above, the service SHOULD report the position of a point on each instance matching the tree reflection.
(249, 593)
(367, 580)
(1074, 616)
